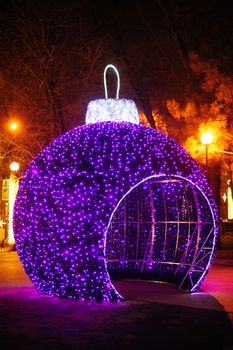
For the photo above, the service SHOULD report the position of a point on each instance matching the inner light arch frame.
(157, 176)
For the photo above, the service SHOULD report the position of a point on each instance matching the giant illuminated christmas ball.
(113, 197)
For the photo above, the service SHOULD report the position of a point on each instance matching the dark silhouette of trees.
(47, 68)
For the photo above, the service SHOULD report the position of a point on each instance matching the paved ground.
(153, 316)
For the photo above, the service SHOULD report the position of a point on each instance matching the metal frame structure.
(164, 230)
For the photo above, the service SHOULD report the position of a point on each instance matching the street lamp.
(206, 140)
(14, 166)
(14, 126)
(10, 129)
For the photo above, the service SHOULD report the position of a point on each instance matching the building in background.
(8, 191)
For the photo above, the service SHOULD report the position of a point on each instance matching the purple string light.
(68, 198)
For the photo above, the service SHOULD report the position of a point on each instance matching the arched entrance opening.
(162, 229)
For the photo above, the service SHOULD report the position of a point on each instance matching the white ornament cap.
(112, 109)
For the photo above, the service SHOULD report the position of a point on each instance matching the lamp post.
(10, 128)
(206, 140)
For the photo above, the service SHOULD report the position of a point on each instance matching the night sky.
(146, 28)
(53, 53)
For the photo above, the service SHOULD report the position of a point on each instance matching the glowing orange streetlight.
(14, 125)
(206, 140)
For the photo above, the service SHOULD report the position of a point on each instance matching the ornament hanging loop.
(105, 82)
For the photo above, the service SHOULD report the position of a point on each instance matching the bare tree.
(46, 73)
